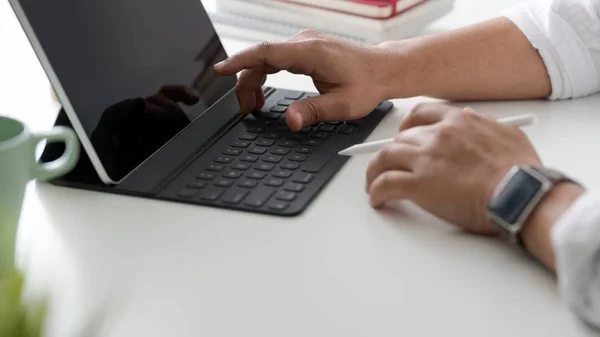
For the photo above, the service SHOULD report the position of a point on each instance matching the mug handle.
(66, 162)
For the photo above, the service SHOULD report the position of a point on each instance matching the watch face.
(516, 196)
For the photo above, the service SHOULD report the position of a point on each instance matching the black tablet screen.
(136, 72)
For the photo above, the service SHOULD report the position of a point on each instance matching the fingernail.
(296, 120)
(220, 64)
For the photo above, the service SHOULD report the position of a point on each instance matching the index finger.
(427, 114)
(292, 56)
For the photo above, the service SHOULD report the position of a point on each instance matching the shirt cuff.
(566, 57)
(576, 240)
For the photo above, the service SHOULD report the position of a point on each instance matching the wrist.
(536, 235)
(399, 67)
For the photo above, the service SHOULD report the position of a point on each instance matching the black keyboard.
(260, 165)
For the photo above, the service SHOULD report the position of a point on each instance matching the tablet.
(130, 75)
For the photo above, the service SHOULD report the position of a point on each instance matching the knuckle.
(382, 181)
(445, 132)
(314, 44)
(265, 46)
(309, 32)
(466, 116)
(418, 108)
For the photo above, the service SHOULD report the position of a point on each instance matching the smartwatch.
(517, 195)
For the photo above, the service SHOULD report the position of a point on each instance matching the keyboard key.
(240, 144)
(306, 129)
(311, 95)
(304, 149)
(232, 152)
(334, 123)
(223, 160)
(197, 184)
(279, 108)
(302, 177)
(297, 157)
(223, 183)
(272, 135)
(240, 166)
(275, 182)
(296, 135)
(234, 195)
(270, 115)
(265, 142)
(215, 168)
(285, 102)
(290, 166)
(255, 130)
(259, 196)
(246, 183)
(256, 175)
(279, 127)
(205, 176)
(264, 167)
(267, 90)
(293, 187)
(248, 136)
(346, 129)
(280, 151)
(287, 143)
(211, 193)
(356, 122)
(277, 205)
(188, 193)
(257, 150)
(311, 142)
(255, 123)
(249, 158)
(282, 174)
(285, 196)
(327, 127)
(319, 134)
(294, 95)
(271, 158)
(232, 174)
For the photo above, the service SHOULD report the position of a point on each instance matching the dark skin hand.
(339, 71)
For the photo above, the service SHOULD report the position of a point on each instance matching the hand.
(448, 161)
(168, 97)
(349, 77)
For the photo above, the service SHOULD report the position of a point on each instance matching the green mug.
(17, 167)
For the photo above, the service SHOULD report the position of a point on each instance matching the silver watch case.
(512, 230)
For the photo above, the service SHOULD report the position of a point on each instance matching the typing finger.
(249, 89)
(292, 56)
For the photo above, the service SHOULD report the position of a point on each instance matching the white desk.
(341, 269)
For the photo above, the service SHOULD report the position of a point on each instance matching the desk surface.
(341, 269)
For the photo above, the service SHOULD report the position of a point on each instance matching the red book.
(375, 9)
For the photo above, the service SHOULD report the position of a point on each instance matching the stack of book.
(365, 21)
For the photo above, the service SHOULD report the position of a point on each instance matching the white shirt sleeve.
(576, 240)
(567, 35)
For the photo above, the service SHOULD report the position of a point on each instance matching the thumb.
(324, 108)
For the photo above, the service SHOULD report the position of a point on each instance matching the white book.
(275, 17)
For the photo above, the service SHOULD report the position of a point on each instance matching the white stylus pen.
(371, 147)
